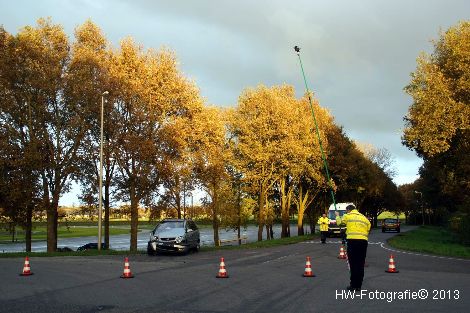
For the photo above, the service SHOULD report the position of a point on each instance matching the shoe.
(353, 289)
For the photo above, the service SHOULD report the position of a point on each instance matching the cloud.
(357, 55)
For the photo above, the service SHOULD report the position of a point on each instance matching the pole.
(325, 164)
(100, 201)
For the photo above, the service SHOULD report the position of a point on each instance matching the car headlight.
(153, 237)
(179, 239)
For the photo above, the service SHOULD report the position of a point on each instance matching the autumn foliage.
(162, 142)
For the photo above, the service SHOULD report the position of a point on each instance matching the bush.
(460, 224)
(464, 230)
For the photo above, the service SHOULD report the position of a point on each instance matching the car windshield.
(332, 215)
(166, 226)
(390, 221)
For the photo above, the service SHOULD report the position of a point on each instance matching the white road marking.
(421, 254)
(394, 250)
(338, 242)
(280, 258)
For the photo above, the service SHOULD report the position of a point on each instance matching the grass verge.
(433, 240)
(40, 233)
(263, 244)
(72, 253)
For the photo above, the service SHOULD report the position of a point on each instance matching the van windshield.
(332, 215)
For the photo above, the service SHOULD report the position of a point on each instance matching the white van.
(333, 229)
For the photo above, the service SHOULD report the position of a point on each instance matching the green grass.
(40, 233)
(263, 244)
(433, 240)
(72, 253)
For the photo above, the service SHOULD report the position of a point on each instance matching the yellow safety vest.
(323, 222)
(357, 225)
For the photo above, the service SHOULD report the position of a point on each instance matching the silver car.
(174, 235)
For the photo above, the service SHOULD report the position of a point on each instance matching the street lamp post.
(422, 206)
(100, 201)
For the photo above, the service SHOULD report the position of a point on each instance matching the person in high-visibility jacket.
(323, 221)
(357, 232)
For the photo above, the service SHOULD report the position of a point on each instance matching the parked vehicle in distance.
(91, 246)
(174, 236)
(333, 229)
(64, 249)
(391, 224)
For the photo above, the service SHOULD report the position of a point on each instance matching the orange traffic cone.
(127, 270)
(26, 268)
(391, 266)
(342, 254)
(222, 271)
(308, 268)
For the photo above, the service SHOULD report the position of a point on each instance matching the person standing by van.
(357, 232)
(323, 221)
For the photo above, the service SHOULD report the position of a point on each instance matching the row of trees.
(438, 126)
(161, 140)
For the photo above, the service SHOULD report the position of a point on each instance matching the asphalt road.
(121, 242)
(263, 280)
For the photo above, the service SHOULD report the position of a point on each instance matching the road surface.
(261, 280)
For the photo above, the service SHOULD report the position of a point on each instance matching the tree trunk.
(285, 204)
(215, 225)
(311, 221)
(261, 215)
(215, 220)
(300, 224)
(106, 214)
(29, 227)
(51, 229)
(178, 204)
(239, 235)
(134, 215)
(13, 232)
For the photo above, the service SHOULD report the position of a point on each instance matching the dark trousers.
(357, 250)
(323, 235)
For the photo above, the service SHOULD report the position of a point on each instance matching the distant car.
(64, 249)
(391, 224)
(174, 235)
(91, 246)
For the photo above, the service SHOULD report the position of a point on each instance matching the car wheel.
(150, 250)
(197, 247)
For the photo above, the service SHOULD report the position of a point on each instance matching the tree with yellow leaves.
(274, 147)
(440, 88)
(437, 125)
(89, 76)
(155, 105)
(211, 156)
(56, 121)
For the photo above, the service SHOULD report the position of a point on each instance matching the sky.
(357, 55)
